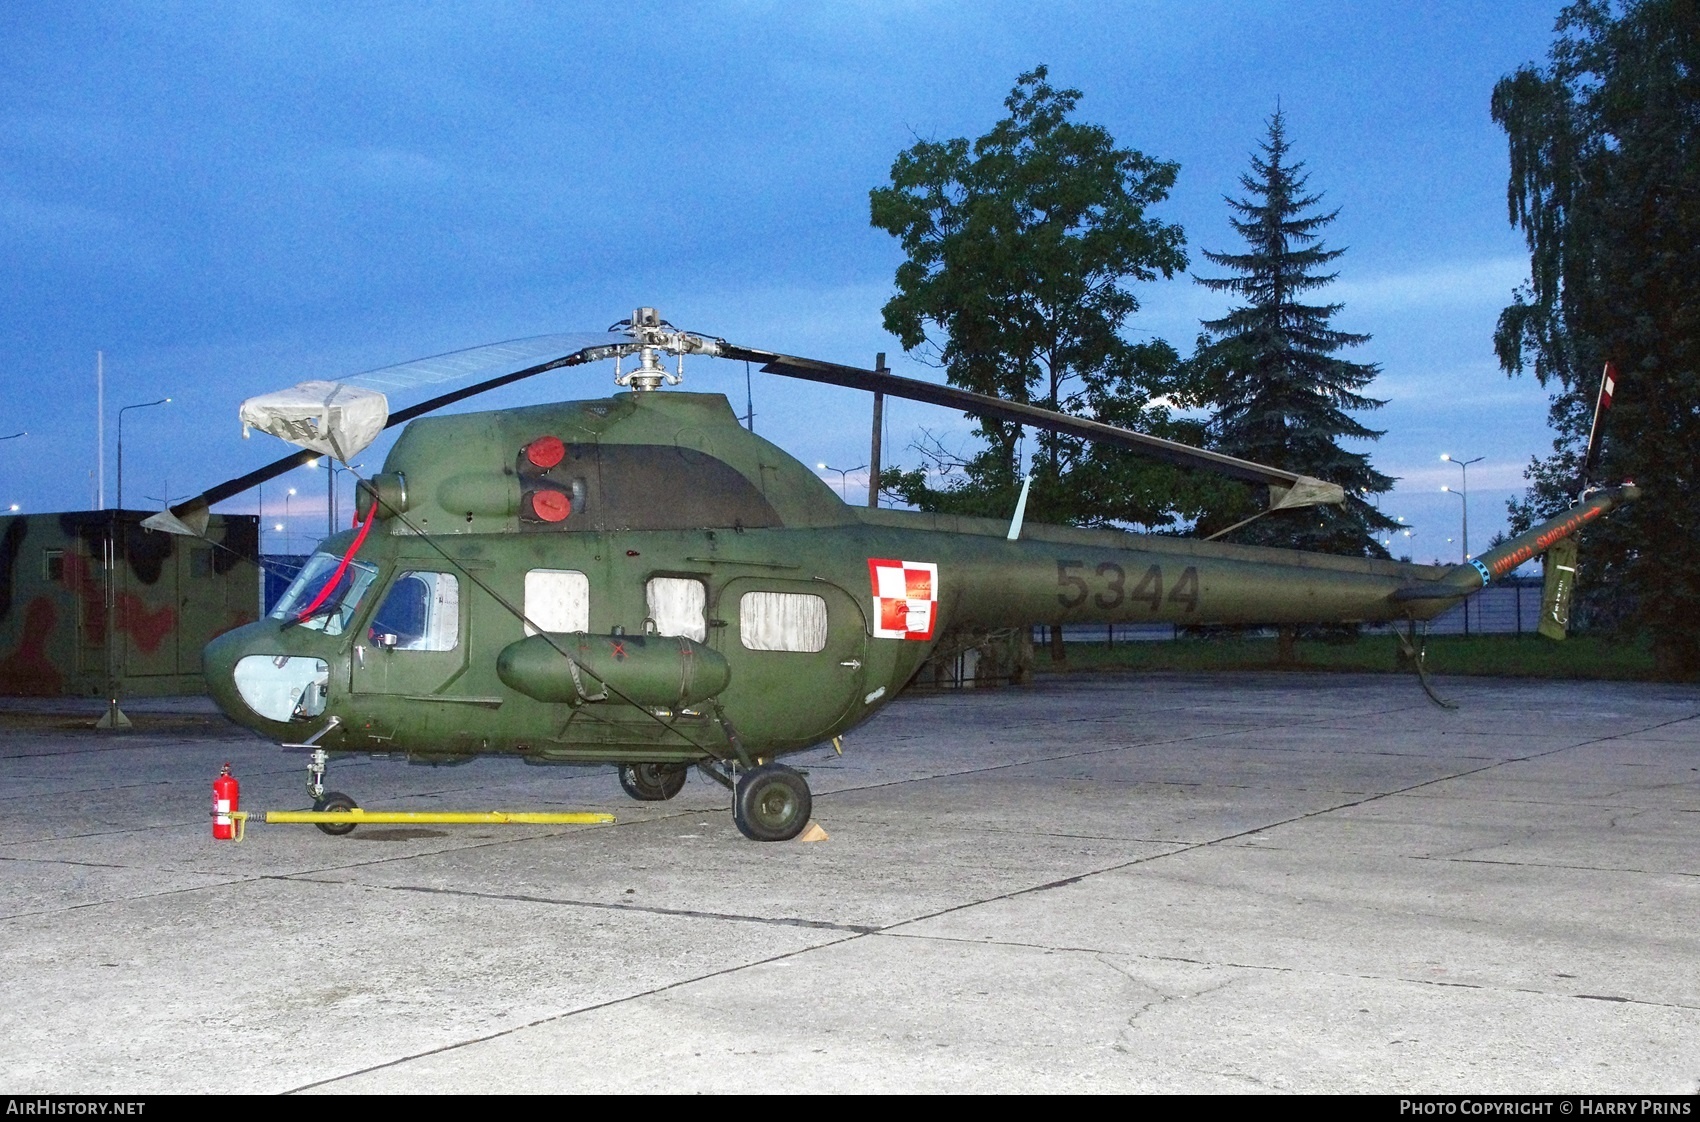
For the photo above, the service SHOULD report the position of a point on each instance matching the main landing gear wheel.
(335, 800)
(653, 783)
(771, 803)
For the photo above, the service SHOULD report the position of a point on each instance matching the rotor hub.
(652, 337)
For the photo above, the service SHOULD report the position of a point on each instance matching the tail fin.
(1556, 592)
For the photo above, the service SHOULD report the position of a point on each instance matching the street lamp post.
(843, 477)
(1463, 494)
(121, 412)
(351, 469)
(14, 436)
(115, 718)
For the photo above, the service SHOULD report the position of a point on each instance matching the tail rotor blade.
(1602, 403)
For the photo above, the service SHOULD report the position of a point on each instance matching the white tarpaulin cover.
(329, 417)
(782, 621)
(557, 600)
(678, 605)
(1305, 491)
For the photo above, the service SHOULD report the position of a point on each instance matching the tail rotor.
(1558, 589)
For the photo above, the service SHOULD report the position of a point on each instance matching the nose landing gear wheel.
(335, 800)
(652, 783)
(771, 803)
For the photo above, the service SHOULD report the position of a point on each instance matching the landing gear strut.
(327, 800)
(653, 783)
(771, 803)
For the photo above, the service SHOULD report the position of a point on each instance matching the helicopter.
(640, 580)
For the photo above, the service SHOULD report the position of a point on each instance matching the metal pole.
(100, 430)
(114, 719)
(879, 424)
(121, 412)
(843, 477)
(1464, 495)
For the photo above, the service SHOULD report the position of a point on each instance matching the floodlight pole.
(114, 718)
(1463, 494)
(843, 477)
(331, 514)
(121, 412)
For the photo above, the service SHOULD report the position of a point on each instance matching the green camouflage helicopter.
(641, 581)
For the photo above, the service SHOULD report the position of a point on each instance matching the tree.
(1020, 248)
(1269, 368)
(1605, 184)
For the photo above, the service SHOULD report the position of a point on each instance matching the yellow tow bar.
(358, 817)
(439, 817)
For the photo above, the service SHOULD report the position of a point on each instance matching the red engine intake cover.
(549, 506)
(545, 452)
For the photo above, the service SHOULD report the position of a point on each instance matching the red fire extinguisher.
(226, 795)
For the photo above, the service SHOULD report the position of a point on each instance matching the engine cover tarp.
(328, 417)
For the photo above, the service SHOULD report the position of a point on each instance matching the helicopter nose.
(256, 684)
(218, 667)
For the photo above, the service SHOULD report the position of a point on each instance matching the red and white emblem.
(906, 598)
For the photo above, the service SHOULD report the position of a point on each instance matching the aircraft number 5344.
(1112, 583)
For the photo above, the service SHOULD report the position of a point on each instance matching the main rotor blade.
(190, 513)
(1294, 489)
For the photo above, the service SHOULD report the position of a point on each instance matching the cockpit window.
(421, 612)
(332, 615)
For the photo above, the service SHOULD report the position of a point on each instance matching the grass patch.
(1504, 656)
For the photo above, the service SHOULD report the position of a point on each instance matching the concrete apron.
(1163, 883)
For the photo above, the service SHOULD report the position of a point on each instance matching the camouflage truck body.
(170, 596)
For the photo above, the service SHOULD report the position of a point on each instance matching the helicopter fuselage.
(640, 578)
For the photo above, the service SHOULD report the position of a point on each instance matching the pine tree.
(1269, 370)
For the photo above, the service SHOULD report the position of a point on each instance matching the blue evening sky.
(225, 199)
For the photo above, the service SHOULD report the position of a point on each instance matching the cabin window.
(336, 607)
(556, 600)
(421, 612)
(53, 564)
(678, 605)
(782, 621)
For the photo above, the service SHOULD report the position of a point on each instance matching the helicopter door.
(413, 645)
(796, 649)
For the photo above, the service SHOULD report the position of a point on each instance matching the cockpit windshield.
(336, 609)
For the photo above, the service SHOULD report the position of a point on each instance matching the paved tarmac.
(1162, 883)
